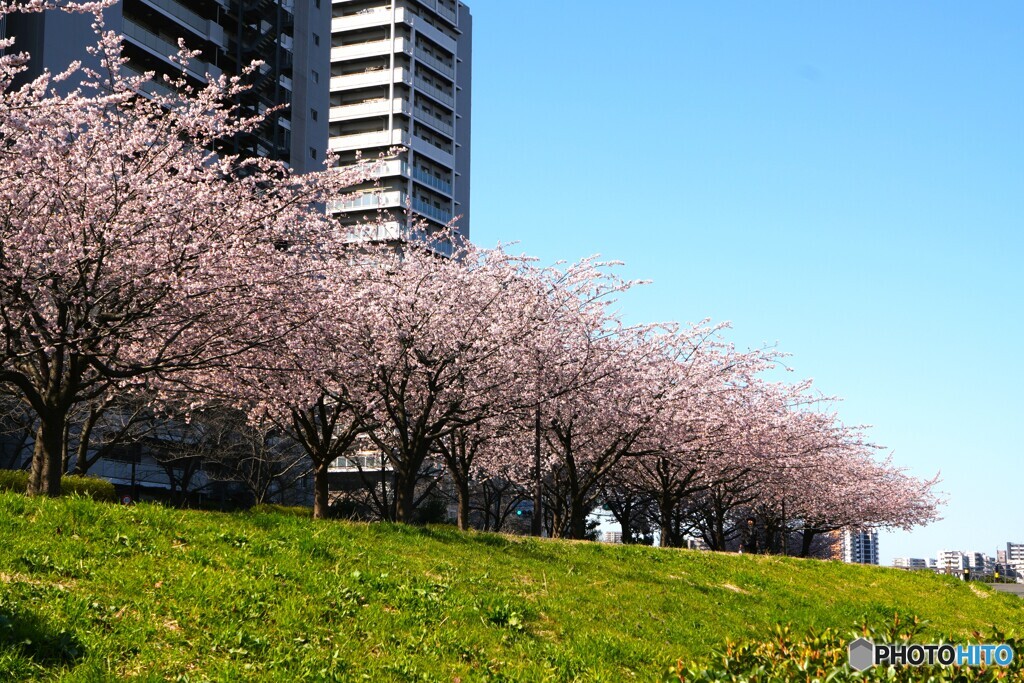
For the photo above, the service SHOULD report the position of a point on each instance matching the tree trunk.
(48, 456)
(577, 520)
(665, 510)
(405, 499)
(82, 459)
(65, 440)
(626, 522)
(463, 515)
(321, 496)
(805, 543)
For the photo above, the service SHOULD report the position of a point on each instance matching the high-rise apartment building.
(400, 77)
(859, 546)
(290, 37)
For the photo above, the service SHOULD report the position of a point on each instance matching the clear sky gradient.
(843, 178)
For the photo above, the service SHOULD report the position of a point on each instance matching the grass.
(92, 591)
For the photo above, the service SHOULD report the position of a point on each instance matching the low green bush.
(93, 487)
(97, 489)
(293, 510)
(822, 656)
(13, 480)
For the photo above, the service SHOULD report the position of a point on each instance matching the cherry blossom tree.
(440, 337)
(129, 248)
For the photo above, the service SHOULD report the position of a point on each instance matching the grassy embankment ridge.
(105, 592)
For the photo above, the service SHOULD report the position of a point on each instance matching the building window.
(313, 114)
(312, 152)
(316, 39)
(316, 75)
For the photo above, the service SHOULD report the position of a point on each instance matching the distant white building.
(859, 546)
(611, 537)
(915, 563)
(950, 561)
(696, 543)
(981, 563)
(1012, 560)
(1014, 553)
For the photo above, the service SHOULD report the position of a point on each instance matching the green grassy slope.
(108, 592)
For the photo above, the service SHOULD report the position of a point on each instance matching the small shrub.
(91, 487)
(292, 510)
(13, 480)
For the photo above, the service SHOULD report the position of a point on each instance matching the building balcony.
(359, 462)
(430, 211)
(368, 79)
(448, 13)
(391, 167)
(433, 152)
(441, 9)
(204, 27)
(435, 123)
(156, 45)
(368, 201)
(435, 64)
(431, 181)
(383, 138)
(378, 107)
(376, 48)
(377, 16)
(386, 231)
(435, 92)
(402, 16)
(393, 231)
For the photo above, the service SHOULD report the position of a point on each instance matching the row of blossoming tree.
(144, 268)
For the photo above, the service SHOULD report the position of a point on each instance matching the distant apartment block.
(696, 543)
(400, 77)
(981, 563)
(914, 563)
(290, 38)
(611, 537)
(1014, 553)
(1013, 560)
(859, 546)
(951, 561)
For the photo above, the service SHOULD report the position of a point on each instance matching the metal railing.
(447, 13)
(368, 200)
(432, 181)
(437, 123)
(196, 67)
(439, 215)
(184, 13)
(434, 92)
(435, 63)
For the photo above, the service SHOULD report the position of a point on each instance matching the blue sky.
(843, 179)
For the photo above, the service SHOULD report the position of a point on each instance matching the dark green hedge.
(97, 489)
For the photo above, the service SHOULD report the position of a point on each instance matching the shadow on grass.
(26, 635)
